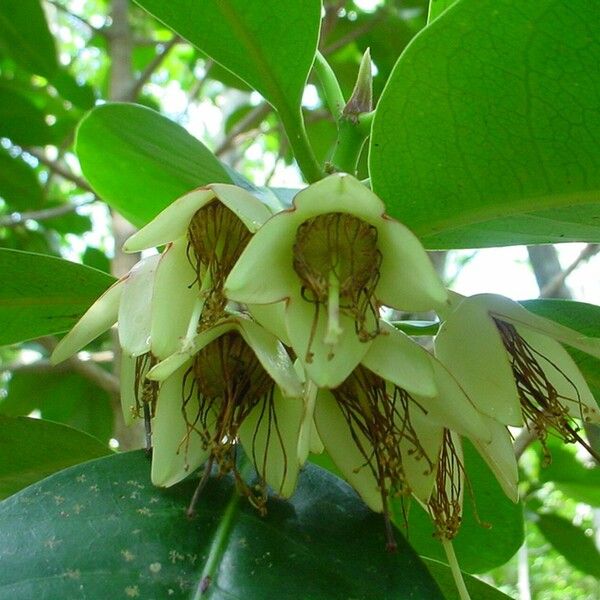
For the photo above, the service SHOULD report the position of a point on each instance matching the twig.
(17, 218)
(255, 116)
(353, 34)
(103, 379)
(76, 17)
(556, 282)
(59, 169)
(152, 66)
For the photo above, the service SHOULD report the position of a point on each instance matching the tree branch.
(556, 283)
(76, 17)
(255, 116)
(16, 218)
(59, 169)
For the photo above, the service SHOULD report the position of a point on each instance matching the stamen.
(333, 311)
(542, 406)
(145, 394)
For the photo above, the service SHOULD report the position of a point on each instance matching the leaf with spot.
(60, 537)
(487, 131)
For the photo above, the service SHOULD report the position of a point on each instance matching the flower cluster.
(263, 329)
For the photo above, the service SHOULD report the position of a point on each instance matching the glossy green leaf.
(322, 544)
(31, 449)
(437, 7)
(19, 185)
(570, 541)
(487, 126)
(61, 396)
(494, 522)
(139, 161)
(25, 37)
(269, 44)
(43, 295)
(478, 590)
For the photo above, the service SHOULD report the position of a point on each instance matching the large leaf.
(269, 44)
(494, 522)
(65, 397)
(101, 530)
(43, 295)
(139, 161)
(570, 541)
(487, 126)
(25, 37)
(31, 449)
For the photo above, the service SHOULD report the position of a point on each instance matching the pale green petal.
(166, 367)
(264, 273)
(272, 356)
(512, 312)
(451, 407)
(269, 435)
(562, 372)
(408, 280)
(337, 439)
(499, 454)
(171, 223)
(127, 377)
(420, 470)
(339, 193)
(134, 308)
(176, 452)
(469, 345)
(100, 317)
(272, 318)
(249, 209)
(395, 357)
(175, 295)
(328, 366)
(309, 438)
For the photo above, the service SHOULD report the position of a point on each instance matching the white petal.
(395, 357)
(100, 317)
(337, 439)
(127, 377)
(264, 273)
(499, 454)
(177, 451)
(272, 356)
(309, 440)
(269, 435)
(173, 300)
(134, 308)
(408, 280)
(562, 372)
(272, 318)
(469, 345)
(171, 223)
(328, 366)
(251, 211)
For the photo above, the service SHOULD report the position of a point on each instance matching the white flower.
(335, 257)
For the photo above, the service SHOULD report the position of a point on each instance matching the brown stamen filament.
(145, 393)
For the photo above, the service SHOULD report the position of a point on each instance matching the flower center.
(379, 417)
(216, 238)
(222, 386)
(337, 260)
(542, 406)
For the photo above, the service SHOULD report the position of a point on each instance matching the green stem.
(330, 86)
(456, 572)
(351, 139)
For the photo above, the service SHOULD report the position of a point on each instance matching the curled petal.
(272, 318)
(251, 211)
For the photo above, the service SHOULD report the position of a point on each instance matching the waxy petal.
(127, 380)
(341, 446)
(469, 345)
(327, 365)
(272, 318)
(395, 357)
(100, 317)
(269, 435)
(170, 224)
(134, 308)
(177, 451)
(249, 209)
(175, 295)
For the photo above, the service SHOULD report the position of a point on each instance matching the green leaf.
(501, 536)
(269, 44)
(43, 295)
(322, 544)
(25, 37)
(486, 126)
(31, 449)
(139, 161)
(60, 396)
(478, 590)
(19, 185)
(570, 541)
(437, 7)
